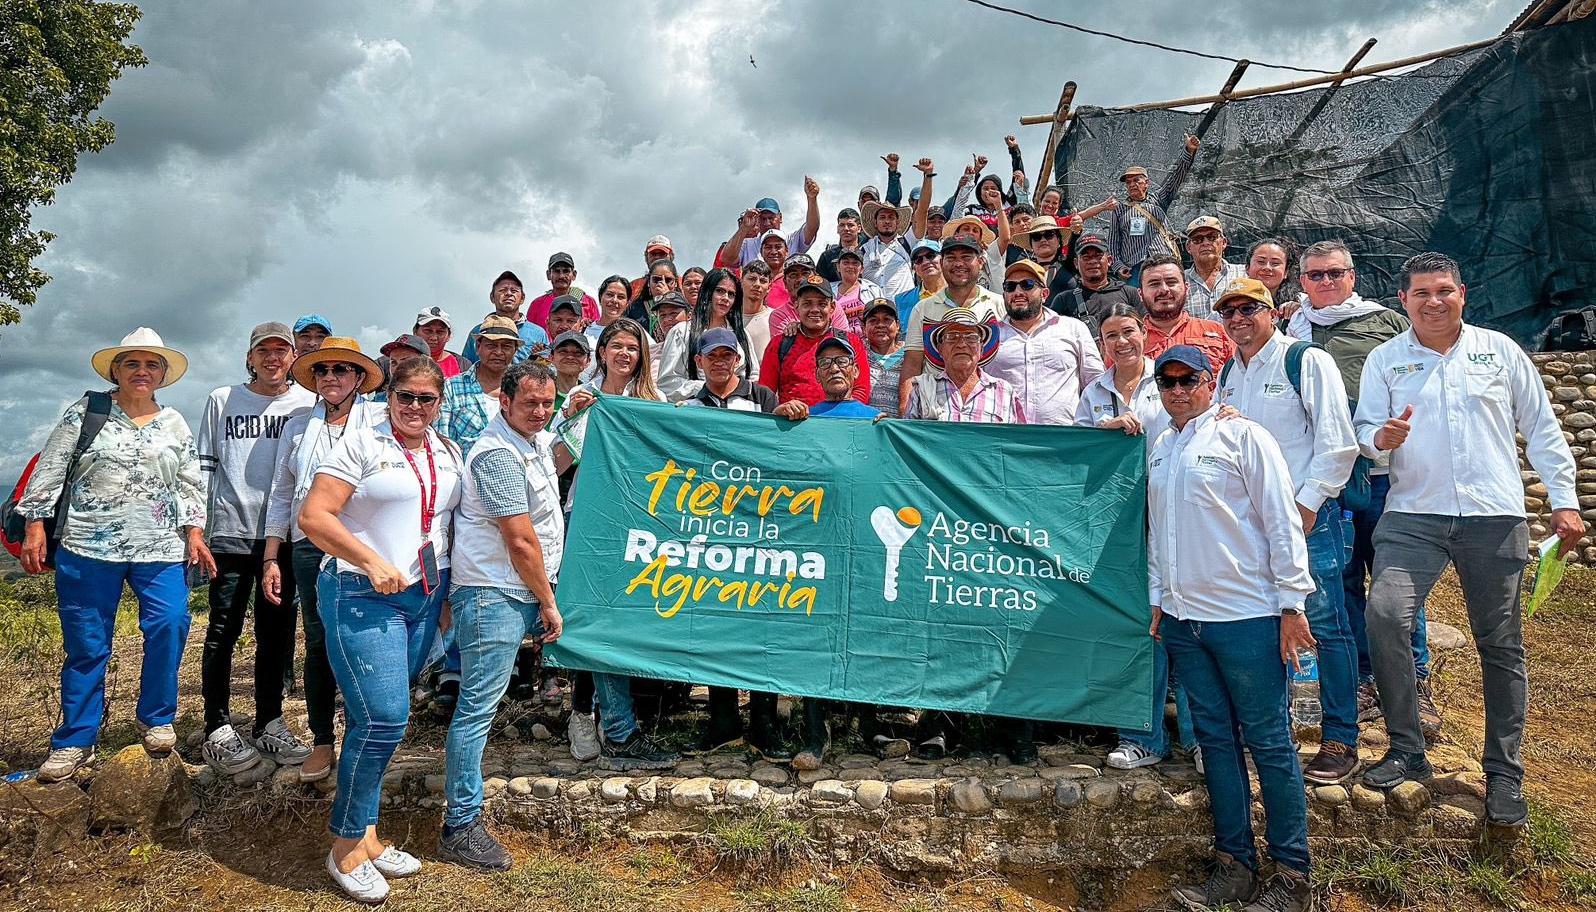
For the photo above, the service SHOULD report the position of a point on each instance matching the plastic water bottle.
(1306, 710)
(1348, 535)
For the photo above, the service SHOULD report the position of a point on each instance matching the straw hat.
(142, 339)
(985, 234)
(965, 318)
(337, 348)
(872, 207)
(1038, 225)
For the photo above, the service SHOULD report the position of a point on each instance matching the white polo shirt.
(1049, 368)
(1460, 458)
(1101, 402)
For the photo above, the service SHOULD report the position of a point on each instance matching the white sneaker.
(1130, 755)
(278, 743)
(228, 752)
(584, 736)
(364, 884)
(1197, 758)
(396, 862)
(158, 739)
(63, 762)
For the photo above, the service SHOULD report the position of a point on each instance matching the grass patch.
(1492, 884)
(1548, 837)
(1580, 887)
(806, 898)
(569, 885)
(661, 862)
(764, 839)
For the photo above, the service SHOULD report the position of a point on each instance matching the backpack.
(787, 342)
(13, 525)
(1357, 492)
(1572, 331)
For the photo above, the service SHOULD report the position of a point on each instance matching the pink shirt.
(538, 310)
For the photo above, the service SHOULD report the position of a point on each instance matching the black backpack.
(13, 525)
(1573, 331)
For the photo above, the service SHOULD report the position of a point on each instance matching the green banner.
(983, 568)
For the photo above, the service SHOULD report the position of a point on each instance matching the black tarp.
(1489, 157)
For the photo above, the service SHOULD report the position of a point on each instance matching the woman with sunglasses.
(380, 507)
(341, 376)
(719, 306)
(662, 279)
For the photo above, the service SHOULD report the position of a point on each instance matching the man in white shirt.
(1049, 359)
(893, 236)
(1444, 400)
(1294, 391)
(1209, 272)
(963, 262)
(1227, 577)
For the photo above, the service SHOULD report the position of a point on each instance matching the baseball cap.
(1136, 171)
(771, 233)
(434, 314)
(936, 212)
(658, 242)
(1189, 355)
(410, 340)
(497, 327)
(567, 301)
(834, 341)
(1248, 288)
(925, 244)
(507, 274)
(851, 254)
(879, 304)
(669, 299)
(272, 330)
(309, 320)
(1091, 240)
(870, 190)
(796, 261)
(720, 337)
(768, 205)
(1204, 221)
(815, 283)
(561, 259)
(962, 242)
(574, 335)
(1029, 267)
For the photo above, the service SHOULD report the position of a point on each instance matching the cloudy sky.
(367, 158)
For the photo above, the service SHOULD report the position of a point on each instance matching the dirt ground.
(237, 858)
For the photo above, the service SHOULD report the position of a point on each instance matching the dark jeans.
(238, 577)
(1356, 575)
(321, 691)
(1239, 698)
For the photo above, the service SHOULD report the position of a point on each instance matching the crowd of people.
(1314, 461)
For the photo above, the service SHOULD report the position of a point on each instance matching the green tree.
(57, 61)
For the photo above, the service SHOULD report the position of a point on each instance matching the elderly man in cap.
(789, 364)
(562, 277)
(1227, 578)
(742, 247)
(309, 332)
(471, 399)
(1293, 390)
(1209, 273)
(1048, 359)
(237, 447)
(1094, 291)
(565, 315)
(1138, 226)
(956, 388)
(963, 260)
(886, 252)
(507, 296)
(1168, 324)
(435, 327)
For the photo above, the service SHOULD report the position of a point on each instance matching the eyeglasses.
(1334, 275)
(838, 361)
(961, 339)
(337, 370)
(1025, 284)
(924, 258)
(1045, 236)
(406, 397)
(1245, 310)
(1185, 381)
(662, 279)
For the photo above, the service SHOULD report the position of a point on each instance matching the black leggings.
(320, 689)
(238, 578)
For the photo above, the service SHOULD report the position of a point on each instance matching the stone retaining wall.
(1570, 379)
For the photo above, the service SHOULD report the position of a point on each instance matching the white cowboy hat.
(142, 339)
(872, 207)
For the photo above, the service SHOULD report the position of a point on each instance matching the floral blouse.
(135, 490)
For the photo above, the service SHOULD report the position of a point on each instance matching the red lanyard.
(429, 498)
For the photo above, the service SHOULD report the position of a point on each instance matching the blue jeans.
(377, 644)
(87, 592)
(1157, 740)
(489, 626)
(1239, 696)
(1327, 618)
(1360, 569)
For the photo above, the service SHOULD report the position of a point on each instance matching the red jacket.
(793, 377)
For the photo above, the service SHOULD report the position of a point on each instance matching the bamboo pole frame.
(1060, 118)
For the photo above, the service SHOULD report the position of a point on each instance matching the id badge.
(428, 556)
(1138, 225)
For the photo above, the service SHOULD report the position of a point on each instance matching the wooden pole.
(1298, 84)
(1224, 98)
(1060, 118)
(1356, 59)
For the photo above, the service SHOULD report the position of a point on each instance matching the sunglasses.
(1185, 381)
(662, 279)
(1245, 310)
(1025, 284)
(336, 370)
(838, 361)
(1319, 275)
(1045, 236)
(405, 397)
(924, 258)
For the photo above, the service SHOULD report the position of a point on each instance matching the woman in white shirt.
(380, 508)
(1124, 396)
(340, 374)
(719, 306)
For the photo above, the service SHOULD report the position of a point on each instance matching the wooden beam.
(1356, 59)
(1224, 98)
(1060, 118)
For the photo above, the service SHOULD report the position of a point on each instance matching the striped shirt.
(466, 410)
(1132, 235)
(1200, 298)
(993, 401)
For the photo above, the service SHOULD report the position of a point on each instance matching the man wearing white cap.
(1209, 273)
(434, 325)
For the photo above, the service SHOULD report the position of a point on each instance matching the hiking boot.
(158, 739)
(887, 747)
(1129, 755)
(1022, 752)
(764, 740)
(1504, 802)
(472, 846)
(277, 742)
(1396, 768)
(818, 739)
(1429, 714)
(584, 736)
(1286, 891)
(636, 752)
(228, 753)
(63, 762)
(1369, 702)
(1334, 763)
(932, 748)
(1229, 881)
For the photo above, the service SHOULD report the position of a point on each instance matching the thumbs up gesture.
(1395, 431)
